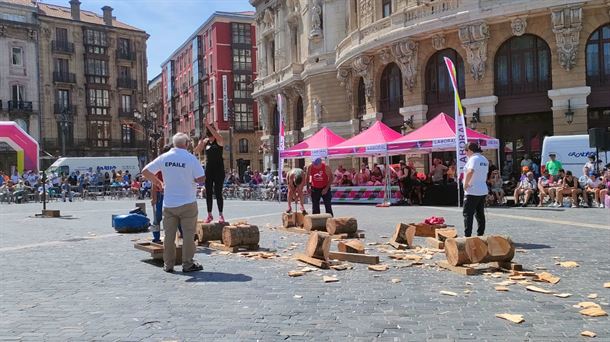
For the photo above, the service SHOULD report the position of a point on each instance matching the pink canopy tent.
(439, 135)
(373, 141)
(317, 145)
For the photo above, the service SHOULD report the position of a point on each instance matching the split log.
(443, 234)
(318, 246)
(242, 235)
(299, 218)
(341, 225)
(473, 250)
(288, 220)
(351, 246)
(210, 231)
(404, 234)
(315, 222)
(427, 230)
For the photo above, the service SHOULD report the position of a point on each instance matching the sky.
(168, 22)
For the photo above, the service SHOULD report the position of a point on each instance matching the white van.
(571, 150)
(68, 165)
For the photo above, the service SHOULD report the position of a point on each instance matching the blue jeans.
(158, 216)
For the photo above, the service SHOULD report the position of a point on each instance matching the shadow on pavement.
(531, 246)
(215, 277)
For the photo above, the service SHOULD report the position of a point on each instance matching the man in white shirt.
(475, 189)
(181, 172)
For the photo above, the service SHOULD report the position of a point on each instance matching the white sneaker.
(574, 206)
(601, 205)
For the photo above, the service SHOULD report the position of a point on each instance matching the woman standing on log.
(214, 172)
(296, 181)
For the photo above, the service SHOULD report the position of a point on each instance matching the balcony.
(60, 108)
(62, 46)
(64, 77)
(127, 83)
(125, 113)
(126, 55)
(22, 106)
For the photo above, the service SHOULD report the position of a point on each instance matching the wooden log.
(355, 257)
(242, 235)
(341, 225)
(404, 234)
(351, 246)
(427, 230)
(473, 250)
(288, 220)
(209, 231)
(443, 234)
(318, 246)
(299, 219)
(312, 261)
(315, 222)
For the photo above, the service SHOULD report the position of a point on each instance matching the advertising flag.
(460, 125)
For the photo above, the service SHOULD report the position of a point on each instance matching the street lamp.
(476, 118)
(569, 114)
(65, 120)
(147, 121)
(407, 125)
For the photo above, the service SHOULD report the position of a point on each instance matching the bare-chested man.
(296, 182)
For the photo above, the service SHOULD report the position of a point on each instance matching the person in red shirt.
(318, 178)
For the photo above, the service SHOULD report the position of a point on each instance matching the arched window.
(439, 90)
(243, 145)
(390, 97)
(598, 57)
(299, 119)
(361, 98)
(522, 66)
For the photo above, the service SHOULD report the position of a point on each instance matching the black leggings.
(213, 185)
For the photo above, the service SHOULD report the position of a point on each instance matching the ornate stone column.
(405, 55)
(474, 39)
(567, 24)
(362, 66)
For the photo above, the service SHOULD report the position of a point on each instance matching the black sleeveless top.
(213, 154)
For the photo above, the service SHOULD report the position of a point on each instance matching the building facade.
(210, 77)
(155, 105)
(19, 92)
(526, 69)
(93, 78)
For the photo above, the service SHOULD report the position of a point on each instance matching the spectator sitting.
(545, 189)
(338, 175)
(526, 187)
(6, 191)
(15, 177)
(127, 176)
(591, 164)
(345, 181)
(248, 175)
(145, 189)
(582, 183)
(603, 193)
(135, 187)
(495, 185)
(19, 192)
(451, 172)
(66, 190)
(376, 177)
(569, 186)
(594, 186)
(363, 176)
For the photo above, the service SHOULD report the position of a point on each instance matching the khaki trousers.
(186, 216)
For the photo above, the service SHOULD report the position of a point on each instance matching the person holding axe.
(296, 182)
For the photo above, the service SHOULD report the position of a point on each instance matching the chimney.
(107, 15)
(75, 9)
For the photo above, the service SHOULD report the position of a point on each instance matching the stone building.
(155, 105)
(19, 100)
(526, 69)
(93, 78)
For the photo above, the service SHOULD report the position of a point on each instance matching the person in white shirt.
(594, 186)
(475, 189)
(526, 187)
(181, 172)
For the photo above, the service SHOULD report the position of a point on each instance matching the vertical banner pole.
(280, 149)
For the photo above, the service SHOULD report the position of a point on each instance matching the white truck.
(571, 150)
(67, 165)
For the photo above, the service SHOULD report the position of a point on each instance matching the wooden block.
(312, 261)
(506, 265)
(355, 257)
(352, 246)
(463, 270)
(289, 220)
(434, 243)
(398, 245)
(315, 222)
(217, 245)
(299, 219)
(156, 250)
(443, 234)
(50, 213)
(427, 230)
(209, 231)
(403, 234)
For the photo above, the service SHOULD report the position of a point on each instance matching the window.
(17, 56)
(127, 135)
(67, 131)
(242, 59)
(212, 90)
(99, 133)
(97, 101)
(386, 8)
(241, 33)
(211, 63)
(18, 92)
(439, 89)
(62, 98)
(95, 41)
(361, 98)
(210, 38)
(299, 120)
(523, 66)
(61, 34)
(391, 89)
(244, 118)
(242, 86)
(61, 66)
(96, 71)
(598, 57)
(125, 72)
(125, 103)
(124, 47)
(243, 145)
(271, 53)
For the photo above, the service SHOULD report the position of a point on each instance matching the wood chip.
(547, 277)
(588, 333)
(540, 268)
(501, 288)
(448, 293)
(296, 273)
(328, 279)
(593, 312)
(395, 280)
(297, 296)
(538, 289)
(341, 267)
(592, 296)
(467, 291)
(520, 250)
(308, 269)
(379, 268)
(511, 317)
(517, 277)
(569, 264)
(506, 283)
(562, 295)
(586, 305)
(607, 285)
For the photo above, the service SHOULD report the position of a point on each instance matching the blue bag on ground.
(131, 223)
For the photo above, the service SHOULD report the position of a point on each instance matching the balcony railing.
(65, 77)
(62, 46)
(126, 113)
(59, 108)
(127, 83)
(126, 55)
(24, 106)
